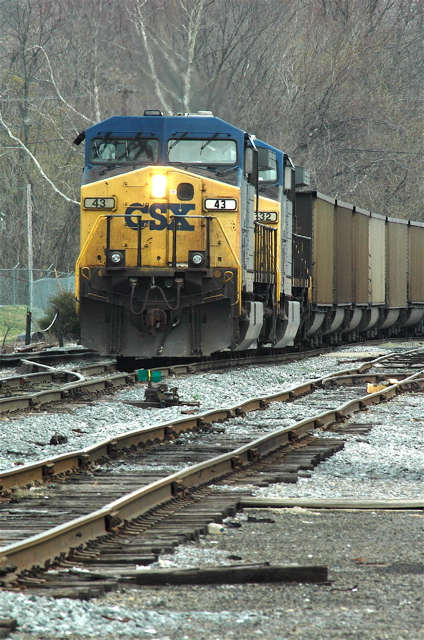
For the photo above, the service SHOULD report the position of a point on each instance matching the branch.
(194, 25)
(37, 164)
(138, 19)
(53, 81)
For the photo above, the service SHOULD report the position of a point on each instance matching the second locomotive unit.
(192, 243)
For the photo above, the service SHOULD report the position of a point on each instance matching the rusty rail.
(39, 549)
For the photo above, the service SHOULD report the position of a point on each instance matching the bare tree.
(335, 83)
(26, 124)
(344, 100)
(211, 45)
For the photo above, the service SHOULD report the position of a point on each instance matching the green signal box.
(147, 375)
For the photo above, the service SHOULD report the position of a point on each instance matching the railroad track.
(114, 517)
(37, 385)
(48, 357)
(41, 385)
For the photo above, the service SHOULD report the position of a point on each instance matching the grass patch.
(12, 323)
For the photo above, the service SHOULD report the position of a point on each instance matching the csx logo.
(156, 213)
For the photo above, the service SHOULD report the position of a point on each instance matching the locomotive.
(196, 237)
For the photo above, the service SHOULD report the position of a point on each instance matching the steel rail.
(70, 389)
(71, 461)
(48, 546)
(30, 401)
(64, 392)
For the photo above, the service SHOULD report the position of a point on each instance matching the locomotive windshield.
(123, 151)
(204, 152)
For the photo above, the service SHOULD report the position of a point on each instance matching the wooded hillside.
(337, 84)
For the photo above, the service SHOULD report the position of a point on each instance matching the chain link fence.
(16, 286)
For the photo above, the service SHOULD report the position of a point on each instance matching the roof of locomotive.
(164, 126)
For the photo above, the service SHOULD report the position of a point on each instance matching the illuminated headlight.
(197, 258)
(158, 186)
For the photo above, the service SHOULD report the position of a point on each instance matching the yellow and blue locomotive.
(185, 237)
(195, 240)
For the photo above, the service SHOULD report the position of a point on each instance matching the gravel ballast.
(375, 569)
(374, 558)
(26, 439)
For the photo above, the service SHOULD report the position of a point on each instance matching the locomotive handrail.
(302, 259)
(173, 219)
(239, 280)
(299, 235)
(82, 255)
(106, 218)
(265, 264)
(87, 242)
(266, 270)
(230, 246)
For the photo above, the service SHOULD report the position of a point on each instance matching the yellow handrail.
(236, 260)
(100, 219)
(82, 254)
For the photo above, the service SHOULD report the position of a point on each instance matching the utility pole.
(30, 254)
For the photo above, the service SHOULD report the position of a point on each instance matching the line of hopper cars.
(196, 237)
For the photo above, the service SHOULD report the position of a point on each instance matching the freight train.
(196, 237)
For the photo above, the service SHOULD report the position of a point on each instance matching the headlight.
(197, 258)
(115, 258)
(158, 186)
